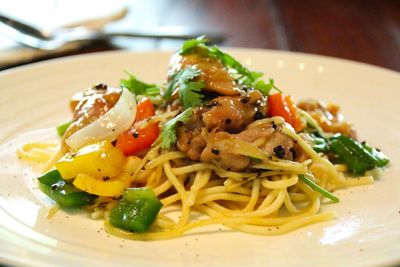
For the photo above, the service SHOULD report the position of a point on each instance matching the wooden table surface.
(361, 30)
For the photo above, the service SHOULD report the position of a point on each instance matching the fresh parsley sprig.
(168, 132)
(189, 90)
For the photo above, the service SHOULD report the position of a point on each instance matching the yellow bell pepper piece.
(106, 188)
(131, 164)
(99, 160)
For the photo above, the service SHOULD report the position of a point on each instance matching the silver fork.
(35, 38)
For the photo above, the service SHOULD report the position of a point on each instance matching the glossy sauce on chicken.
(215, 76)
(89, 105)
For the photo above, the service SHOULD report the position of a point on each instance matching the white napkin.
(52, 14)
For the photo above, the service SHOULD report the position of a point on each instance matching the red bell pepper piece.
(283, 106)
(136, 140)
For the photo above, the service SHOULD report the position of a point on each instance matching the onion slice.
(109, 126)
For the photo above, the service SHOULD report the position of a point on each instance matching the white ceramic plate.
(366, 231)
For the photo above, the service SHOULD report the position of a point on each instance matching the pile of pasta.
(270, 200)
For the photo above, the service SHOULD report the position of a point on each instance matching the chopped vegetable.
(98, 160)
(109, 126)
(380, 159)
(283, 106)
(144, 110)
(63, 193)
(62, 128)
(106, 187)
(297, 123)
(189, 91)
(168, 133)
(138, 87)
(136, 211)
(135, 140)
(321, 144)
(358, 157)
(317, 188)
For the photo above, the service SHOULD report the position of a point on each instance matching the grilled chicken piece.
(218, 150)
(90, 105)
(328, 117)
(203, 137)
(214, 74)
(233, 113)
(192, 142)
(199, 144)
(224, 113)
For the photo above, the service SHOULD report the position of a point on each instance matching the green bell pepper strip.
(63, 193)
(62, 128)
(136, 211)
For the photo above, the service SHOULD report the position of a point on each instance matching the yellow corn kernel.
(109, 188)
(99, 160)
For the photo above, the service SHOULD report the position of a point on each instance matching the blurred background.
(361, 30)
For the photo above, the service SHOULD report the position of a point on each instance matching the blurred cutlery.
(35, 38)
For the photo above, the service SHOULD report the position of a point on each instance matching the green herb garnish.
(192, 44)
(168, 133)
(317, 188)
(189, 90)
(139, 87)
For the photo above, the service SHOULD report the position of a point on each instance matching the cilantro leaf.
(231, 63)
(139, 87)
(265, 88)
(241, 74)
(189, 91)
(168, 133)
(192, 43)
